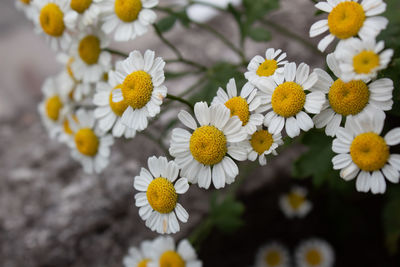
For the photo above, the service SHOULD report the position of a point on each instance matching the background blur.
(52, 214)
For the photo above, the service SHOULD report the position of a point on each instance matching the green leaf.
(166, 23)
(259, 34)
(183, 18)
(226, 214)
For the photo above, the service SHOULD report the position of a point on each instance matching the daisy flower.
(349, 98)
(54, 20)
(272, 255)
(314, 253)
(89, 145)
(262, 143)
(54, 107)
(295, 203)
(26, 7)
(90, 61)
(67, 134)
(348, 18)
(270, 67)
(164, 253)
(286, 100)
(139, 257)
(203, 154)
(140, 80)
(240, 106)
(88, 12)
(129, 18)
(362, 59)
(108, 113)
(364, 154)
(158, 197)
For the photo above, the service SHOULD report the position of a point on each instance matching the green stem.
(201, 232)
(284, 31)
(179, 99)
(116, 52)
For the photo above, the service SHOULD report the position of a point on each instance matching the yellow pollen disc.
(26, 2)
(369, 151)
(273, 258)
(261, 141)
(87, 142)
(127, 10)
(89, 49)
(208, 145)
(288, 99)
(105, 76)
(348, 98)
(239, 107)
(52, 20)
(295, 200)
(67, 128)
(313, 257)
(267, 68)
(53, 107)
(365, 62)
(346, 19)
(161, 195)
(80, 6)
(69, 68)
(171, 259)
(118, 107)
(137, 89)
(143, 263)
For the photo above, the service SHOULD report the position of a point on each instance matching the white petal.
(392, 138)
(187, 119)
(181, 186)
(218, 176)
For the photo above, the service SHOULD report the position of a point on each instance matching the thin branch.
(116, 52)
(179, 99)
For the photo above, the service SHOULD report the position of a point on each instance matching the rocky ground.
(51, 213)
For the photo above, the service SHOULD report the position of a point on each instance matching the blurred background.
(53, 214)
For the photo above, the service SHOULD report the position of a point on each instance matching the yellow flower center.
(295, 200)
(53, 107)
(143, 263)
(87, 142)
(137, 89)
(288, 99)
(267, 68)
(313, 257)
(26, 2)
(239, 107)
(69, 68)
(52, 20)
(171, 259)
(273, 258)
(161, 195)
(80, 6)
(365, 62)
(117, 107)
(127, 10)
(89, 49)
(67, 128)
(369, 151)
(208, 145)
(261, 141)
(348, 98)
(105, 76)
(346, 19)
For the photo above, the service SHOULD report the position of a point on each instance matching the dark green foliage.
(166, 23)
(226, 214)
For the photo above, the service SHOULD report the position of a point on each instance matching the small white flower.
(240, 106)
(349, 19)
(139, 257)
(270, 67)
(203, 154)
(294, 203)
(27, 7)
(166, 254)
(140, 84)
(89, 146)
(362, 59)
(314, 253)
(349, 99)
(88, 12)
(158, 199)
(286, 100)
(55, 20)
(129, 19)
(273, 254)
(364, 154)
(90, 61)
